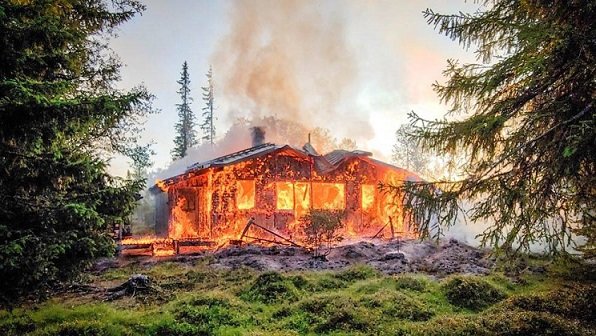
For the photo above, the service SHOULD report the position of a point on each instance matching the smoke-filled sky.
(355, 67)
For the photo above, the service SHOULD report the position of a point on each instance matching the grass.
(197, 300)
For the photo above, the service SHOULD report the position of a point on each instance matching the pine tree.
(527, 125)
(186, 136)
(59, 114)
(407, 153)
(207, 126)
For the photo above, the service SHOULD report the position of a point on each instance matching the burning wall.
(277, 185)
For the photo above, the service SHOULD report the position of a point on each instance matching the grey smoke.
(257, 135)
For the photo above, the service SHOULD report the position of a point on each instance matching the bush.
(356, 273)
(81, 328)
(445, 326)
(575, 301)
(202, 316)
(270, 287)
(321, 228)
(471, 292)
(398, 305)
(521, 323)
(327, 313)
(410, 283)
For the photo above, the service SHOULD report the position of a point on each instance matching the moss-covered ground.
(193, 299)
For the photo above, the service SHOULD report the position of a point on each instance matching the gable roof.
(323, 163)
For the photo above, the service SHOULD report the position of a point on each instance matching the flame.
(180, 225)
(216, 206)
(161, 185)
(368, 196)
(245, 194)
(329, 196)
(285, 195)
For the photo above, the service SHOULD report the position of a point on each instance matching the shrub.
(521, 323)
(444, 326)
(202, 316)
(471, 292)
(321, 228)
(410, 283)
(81, 328)
(398, 305)
(574, 301)
(356, 273)
(327, 313)
(15, 324)
(270, 287)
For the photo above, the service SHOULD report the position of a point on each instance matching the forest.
(519, 129)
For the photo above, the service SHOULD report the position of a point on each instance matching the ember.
(260, 194)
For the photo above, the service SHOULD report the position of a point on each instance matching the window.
(285, 195)
(245, 194)
(302, 196)
(328, 196)
(368, 196)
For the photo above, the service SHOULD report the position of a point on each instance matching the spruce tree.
(526, 126)
(59, 114)
(186, 136)
(407, 153)
(207, 126)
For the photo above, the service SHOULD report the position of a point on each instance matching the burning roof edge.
(324, 163)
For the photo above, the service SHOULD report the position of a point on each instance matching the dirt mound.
(391, 257)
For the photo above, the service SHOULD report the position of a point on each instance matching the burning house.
(273, 186)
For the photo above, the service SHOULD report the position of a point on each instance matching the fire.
(328, 196)
(368, 196)
(245, 194)
(161, 185)
(273, 192)
(180, 225)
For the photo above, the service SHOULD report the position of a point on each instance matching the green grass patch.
(471, 292)
(193, 299)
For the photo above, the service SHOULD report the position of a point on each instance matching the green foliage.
(186, 135)
(527, 126)
(398, 305)
(214, 302)
(445, 326)
(329, 313)
(471, 292)
(358, 272)
(208, 97)
(270, 287)
(521, 323)
(573, 301)
(406, 153)
(59, 116)
(322, 228)
(411, 283)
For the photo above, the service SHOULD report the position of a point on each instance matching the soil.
(390, 257)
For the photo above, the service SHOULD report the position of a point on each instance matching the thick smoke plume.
(290, 59)
(258, 135)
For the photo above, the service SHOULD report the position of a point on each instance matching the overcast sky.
(354, 67)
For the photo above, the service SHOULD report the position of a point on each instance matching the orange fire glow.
(368, 196)
(328, 196)
(180, 225)
(217, 205)
(245, 194)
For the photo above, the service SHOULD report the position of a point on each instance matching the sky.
(355, 67)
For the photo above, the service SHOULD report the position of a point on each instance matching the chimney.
(258, 135)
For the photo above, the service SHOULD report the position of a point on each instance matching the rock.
(136, 283)
(393, 255)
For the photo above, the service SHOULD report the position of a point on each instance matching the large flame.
(216, 205)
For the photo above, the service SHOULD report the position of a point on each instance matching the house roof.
(236, 156)
(323, 163)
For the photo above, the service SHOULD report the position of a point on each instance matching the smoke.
(245, 133)
(290, 59)
(258, 135)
